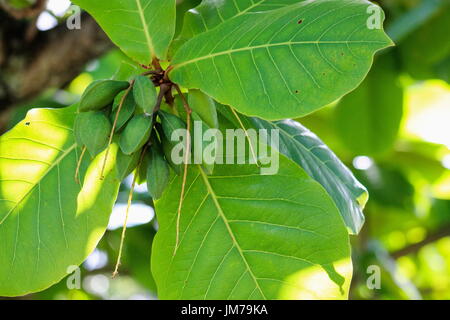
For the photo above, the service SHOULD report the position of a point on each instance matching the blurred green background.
(393, 132)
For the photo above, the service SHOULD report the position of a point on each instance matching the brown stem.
(77, 171)
(150, 72)
(114, 128)
(186, 106)
(162, 92)
(130, 198)
(157, 65)
(186, 165)
(414, 248)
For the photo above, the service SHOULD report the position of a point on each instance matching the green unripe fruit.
(100, 93)
(141, 172)
(204, 106)
(167, 147)
(93, 129)
(158, 172)
(136, 133)
(144, 93)
(125, 164)
(126, 112)
(170, 123)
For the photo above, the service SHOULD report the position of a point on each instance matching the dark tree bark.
(32, 61)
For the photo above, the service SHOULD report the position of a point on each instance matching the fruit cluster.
(129, 113)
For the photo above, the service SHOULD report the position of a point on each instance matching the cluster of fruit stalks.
(130, 113)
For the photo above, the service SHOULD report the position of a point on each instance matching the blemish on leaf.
(300, 21)
(27, 123)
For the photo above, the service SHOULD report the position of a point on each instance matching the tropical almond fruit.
(136, 133)
(126, 112)
(100, 93)
(167, 147)
(93, 129)
(125, 164)
(204, 106)
(170, 123)
(158, 172)
(144, 93)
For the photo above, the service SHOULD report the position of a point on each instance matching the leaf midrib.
(269, 45)
(227, 225)
(148, 37)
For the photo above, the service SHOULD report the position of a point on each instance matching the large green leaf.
(249, 236)
(368, 119)
(305, 148)
(211, 13)
(430, 45)
(143, 29)
(282, 63)
(48, 222)
(415, 17)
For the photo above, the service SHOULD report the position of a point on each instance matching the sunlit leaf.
(368, 119)
(143, 29)
(427, 50)
(305, 148)
(249, 236)
(282, 63)
(211, 13)
(48, 222)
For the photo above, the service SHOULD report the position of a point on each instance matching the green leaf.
(368, 119)
(200, 144)
(48, 222)
(211, 13)
(426, 50)
(292, 61)
(249, 236)
(414, 18)
(143, 29)
(306, 149)
(388, 186)
(182, 8)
